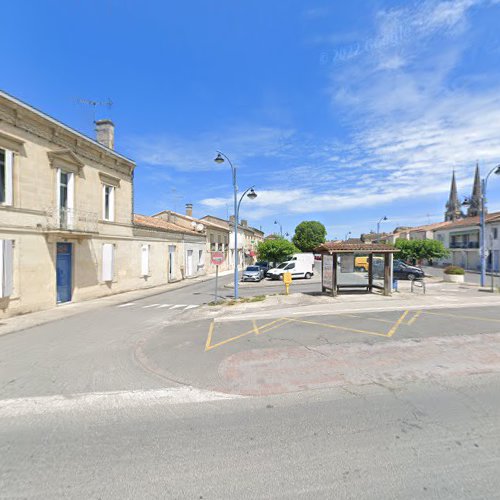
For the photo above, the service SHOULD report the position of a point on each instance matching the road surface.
(152, 399)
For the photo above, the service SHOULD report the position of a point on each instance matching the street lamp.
(221, 157)
(482, 221)
(347, 235)
(281, 227)
(378, 223)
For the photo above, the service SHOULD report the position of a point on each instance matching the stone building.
(67, 231)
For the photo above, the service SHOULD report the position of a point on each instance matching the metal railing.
(464, 245)
(72, 219)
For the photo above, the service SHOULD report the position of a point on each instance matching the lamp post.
(482, 221)
(378, 223)
(252, 195)
(347, 235)
(281, 227)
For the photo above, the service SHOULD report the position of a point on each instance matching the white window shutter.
(9, 160)
(107, 262)
(145, 260)
(6, 268)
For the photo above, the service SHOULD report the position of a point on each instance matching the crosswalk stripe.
(191, 306)
(177, 306)
(126, 305)
(150, 305)
(164, 305)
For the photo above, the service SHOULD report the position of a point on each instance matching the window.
(495, 233)
(213, 245)
(171, 262)
(200, 258)
(65, 190)
(6, 158)
(108, 261)
(6, 268)
(145, 260)
(108, 203)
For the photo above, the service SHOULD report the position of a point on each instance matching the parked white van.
(300, 265)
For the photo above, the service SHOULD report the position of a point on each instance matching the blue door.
(63, 270)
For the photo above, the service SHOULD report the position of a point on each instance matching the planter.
(453, 278)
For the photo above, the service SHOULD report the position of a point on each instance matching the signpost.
(287, 280)
(217, 258)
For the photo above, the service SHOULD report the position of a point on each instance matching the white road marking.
(107, 400)
(164, 305)
(177, 306)
(127, 305)
(192, 306)
(150, 305)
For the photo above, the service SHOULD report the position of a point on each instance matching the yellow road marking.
(262, 329)
(373, 319)
(210, 333)
(462, 316)
(265, 328)
(255, 328)
(336, 327)
(415, 316)
(392, 331)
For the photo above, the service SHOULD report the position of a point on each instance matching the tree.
(275, 250)
(308, 235)
(415, 250)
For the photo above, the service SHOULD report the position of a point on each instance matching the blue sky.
(341, 112)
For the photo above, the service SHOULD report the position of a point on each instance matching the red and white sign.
(217, 258)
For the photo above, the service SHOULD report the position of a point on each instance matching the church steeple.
(453, 210)
(475, 199)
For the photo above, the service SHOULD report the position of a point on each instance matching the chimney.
(244, 223)
(189, 209)
(105, 133)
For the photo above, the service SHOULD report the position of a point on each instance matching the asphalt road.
(413, 440)
(387, 404)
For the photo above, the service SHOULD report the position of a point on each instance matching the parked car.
(264, 266)
(403, 271)
(252, 273)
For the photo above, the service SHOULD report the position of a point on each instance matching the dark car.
(403, 271)
(264, 266)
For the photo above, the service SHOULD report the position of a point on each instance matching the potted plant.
(454, 274)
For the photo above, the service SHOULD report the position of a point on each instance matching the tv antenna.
(175, 197)
(94, 104)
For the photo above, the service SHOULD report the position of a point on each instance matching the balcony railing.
(71, 219)
(464, 245)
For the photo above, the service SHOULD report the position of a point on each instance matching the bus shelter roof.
(365, 248)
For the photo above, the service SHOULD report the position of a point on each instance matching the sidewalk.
(22, 322)
(439, 295)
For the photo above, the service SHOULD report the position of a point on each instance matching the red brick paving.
(290, 369)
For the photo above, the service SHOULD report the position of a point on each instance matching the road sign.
(217, 258)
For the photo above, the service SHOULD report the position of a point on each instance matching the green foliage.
(308, 235)
(456, 270)
(415, 250)
(276, 250)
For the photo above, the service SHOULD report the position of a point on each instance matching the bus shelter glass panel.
(378, 271)
(352, 269)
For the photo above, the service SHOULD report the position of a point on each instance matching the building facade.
(67, 230)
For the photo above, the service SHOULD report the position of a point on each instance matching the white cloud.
(197, 153)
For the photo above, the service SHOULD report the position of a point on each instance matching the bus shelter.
(356, 267)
